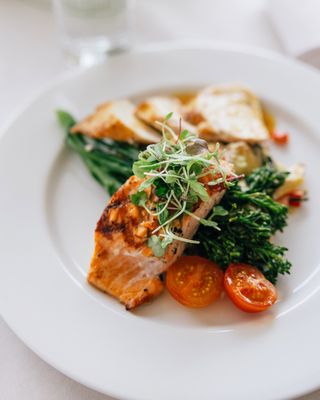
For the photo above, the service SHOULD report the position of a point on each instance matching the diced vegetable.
(281, 138)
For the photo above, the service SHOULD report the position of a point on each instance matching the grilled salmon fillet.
(116, 120)
(122, 264)
(227, 113)
(156, 108)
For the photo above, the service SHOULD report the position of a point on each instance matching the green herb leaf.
(199, 189)
(195, 167)
(164, 213)
(146, 184)
(139, 199)
(166, 241)
(184, 134)
(192, 199)
(161, 188)
(171, 177)
(154, 242)
(168, 116)
(219, 211)
(140, 167)
(210, 223)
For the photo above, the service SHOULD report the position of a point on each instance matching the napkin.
(297, 23)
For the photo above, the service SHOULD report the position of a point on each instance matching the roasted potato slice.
(116, 120)
(227, 113)
(156, 108)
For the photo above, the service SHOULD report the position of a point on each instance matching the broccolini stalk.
(252, 217)
(108, 161)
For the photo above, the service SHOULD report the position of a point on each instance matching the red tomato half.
(194, 281)
(248, 288)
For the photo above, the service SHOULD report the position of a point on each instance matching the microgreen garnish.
(173, 167)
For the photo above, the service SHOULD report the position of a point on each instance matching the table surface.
(30, 57)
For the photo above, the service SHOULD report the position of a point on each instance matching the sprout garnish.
(173, 168)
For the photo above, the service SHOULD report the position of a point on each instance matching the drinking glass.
(89, 29)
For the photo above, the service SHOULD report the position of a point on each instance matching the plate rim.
(149, 48)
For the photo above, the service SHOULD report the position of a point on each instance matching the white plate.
(48, 209)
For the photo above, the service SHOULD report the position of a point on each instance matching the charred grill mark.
(111, 228)
(119, 202)
(105, 226)
(115, 204)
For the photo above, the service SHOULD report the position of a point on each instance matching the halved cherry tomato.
(194, 281)
(280, 137)
(248, 288)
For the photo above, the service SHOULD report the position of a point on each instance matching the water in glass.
(88, 29)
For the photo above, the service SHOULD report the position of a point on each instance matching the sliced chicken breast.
(227, 113)
(116, 120)
(122, 264)
(158, 107)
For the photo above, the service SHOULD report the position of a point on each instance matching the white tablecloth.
(30, 57)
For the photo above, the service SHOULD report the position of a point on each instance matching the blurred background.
(33, 52)
(41, 39)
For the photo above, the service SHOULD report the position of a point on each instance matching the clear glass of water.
(90, 29)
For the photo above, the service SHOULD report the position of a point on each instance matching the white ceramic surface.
(48, 209)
